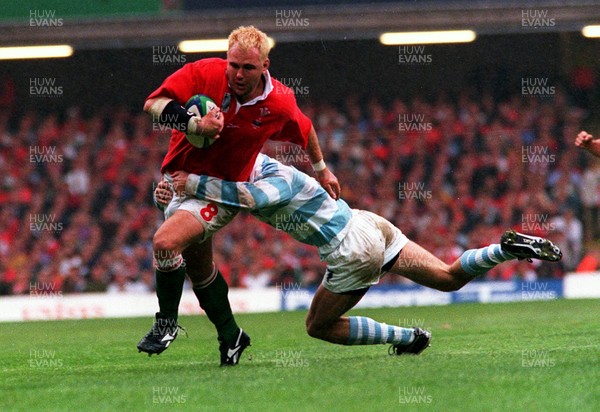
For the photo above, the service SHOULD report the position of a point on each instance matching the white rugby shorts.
(371, 242)
(211, 216)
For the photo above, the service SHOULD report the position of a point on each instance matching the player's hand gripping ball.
(200, 105)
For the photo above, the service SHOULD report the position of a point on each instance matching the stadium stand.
(452, 173)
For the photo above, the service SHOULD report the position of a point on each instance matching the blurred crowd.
(452, 173)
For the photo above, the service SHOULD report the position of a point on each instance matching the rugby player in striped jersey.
(358, 246)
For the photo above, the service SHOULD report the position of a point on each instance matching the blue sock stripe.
(406, 335)
(377, 337)
(365, 332)
(497, 253)
(369, 332)
(353, 330)
(464, 263)
(391, 334)
(486, 257)
(491, 256)
(469, 264)
(501, 255)
(471, 260)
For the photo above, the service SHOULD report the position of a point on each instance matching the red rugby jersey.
(247, 127)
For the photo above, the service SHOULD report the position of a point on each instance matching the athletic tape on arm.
(171, 113)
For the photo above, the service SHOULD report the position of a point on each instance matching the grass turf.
(510, 356)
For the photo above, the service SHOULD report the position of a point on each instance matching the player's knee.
(310, 328)
(162, 242)
(315, 329)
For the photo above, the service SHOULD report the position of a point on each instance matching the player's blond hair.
(248, 37)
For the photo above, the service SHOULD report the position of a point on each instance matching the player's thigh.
(419, 265)
(178, 231)
(191, 220)
(198, 260)
(327, 306)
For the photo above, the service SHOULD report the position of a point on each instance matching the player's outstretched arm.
(243, 195)
(587, 142)
(325, 177)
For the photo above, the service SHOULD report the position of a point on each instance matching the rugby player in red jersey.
(251, 110)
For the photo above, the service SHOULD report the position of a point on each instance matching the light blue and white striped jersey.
(284, 198)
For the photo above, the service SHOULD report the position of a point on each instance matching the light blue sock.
(366, 331)
(476, 262)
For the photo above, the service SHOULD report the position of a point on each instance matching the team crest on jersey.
(264, 111)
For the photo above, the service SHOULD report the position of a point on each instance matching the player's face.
(244, 71)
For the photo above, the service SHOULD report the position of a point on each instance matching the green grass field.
(539, 356)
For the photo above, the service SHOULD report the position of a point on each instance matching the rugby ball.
(199, 105)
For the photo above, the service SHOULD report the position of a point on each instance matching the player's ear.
(266, 64)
